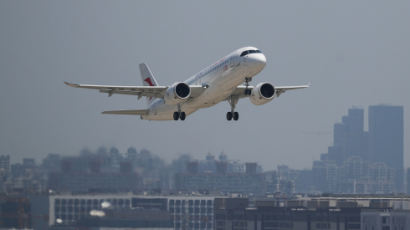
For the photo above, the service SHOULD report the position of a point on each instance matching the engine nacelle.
(262, 93)
(177, 93)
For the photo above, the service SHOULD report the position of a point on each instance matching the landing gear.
(247, 90)
(233, 100)
(229, 116)
(232, 115)
(179, 115)
(176, 116)
(182, 116)
(235, 116)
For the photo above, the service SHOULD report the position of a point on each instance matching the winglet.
(72, 84)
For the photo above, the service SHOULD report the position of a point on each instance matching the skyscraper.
(4, 163)
(408, 180)
(349, 138)
(386, 139)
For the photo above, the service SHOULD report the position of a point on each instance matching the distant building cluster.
(358, 162)
(221, 176)
(106, 189)
(25, 177)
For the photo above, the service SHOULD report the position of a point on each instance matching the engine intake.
(262, 93)
(182, 90)
(177, 93)
(267, 90)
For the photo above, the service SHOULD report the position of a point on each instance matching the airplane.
(225, 80)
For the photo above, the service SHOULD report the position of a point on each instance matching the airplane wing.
(282, 89)
(140, 91)
(127, 112)
(240, 90)
(196, 90)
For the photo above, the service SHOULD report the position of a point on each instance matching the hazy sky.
(355, 53)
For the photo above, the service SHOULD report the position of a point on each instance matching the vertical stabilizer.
(146, 75)
(148, 78)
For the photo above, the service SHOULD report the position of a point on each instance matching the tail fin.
(146, 75)
(148, 78)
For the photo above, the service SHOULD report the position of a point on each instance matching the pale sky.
(355, 53)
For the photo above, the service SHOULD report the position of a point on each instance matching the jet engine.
(262, 93)
(177, 93)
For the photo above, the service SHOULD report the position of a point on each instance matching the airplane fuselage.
(220, 80)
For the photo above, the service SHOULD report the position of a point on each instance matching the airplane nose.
(258, 61)
(261, 60)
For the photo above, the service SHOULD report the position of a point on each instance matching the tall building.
(5, 163)
(386, 139)
(4, 169)
(408, 180)
(349, 138)
(364, 162)
(355, 135)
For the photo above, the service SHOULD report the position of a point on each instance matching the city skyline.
(356, 134)
(353, 53)
(358, 162)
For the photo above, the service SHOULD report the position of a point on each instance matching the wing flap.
(127, 112)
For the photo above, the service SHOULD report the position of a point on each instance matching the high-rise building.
(386, 139)
(360, 161)
(355, 135)
(408, 180)
(4, 164)
(349, 138)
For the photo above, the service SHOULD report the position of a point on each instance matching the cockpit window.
(244, 53)
(249, 52)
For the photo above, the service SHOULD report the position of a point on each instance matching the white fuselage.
(220, 80)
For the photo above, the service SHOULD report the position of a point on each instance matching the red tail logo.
(148, 80)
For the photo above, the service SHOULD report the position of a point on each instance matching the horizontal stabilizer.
(127, 112)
